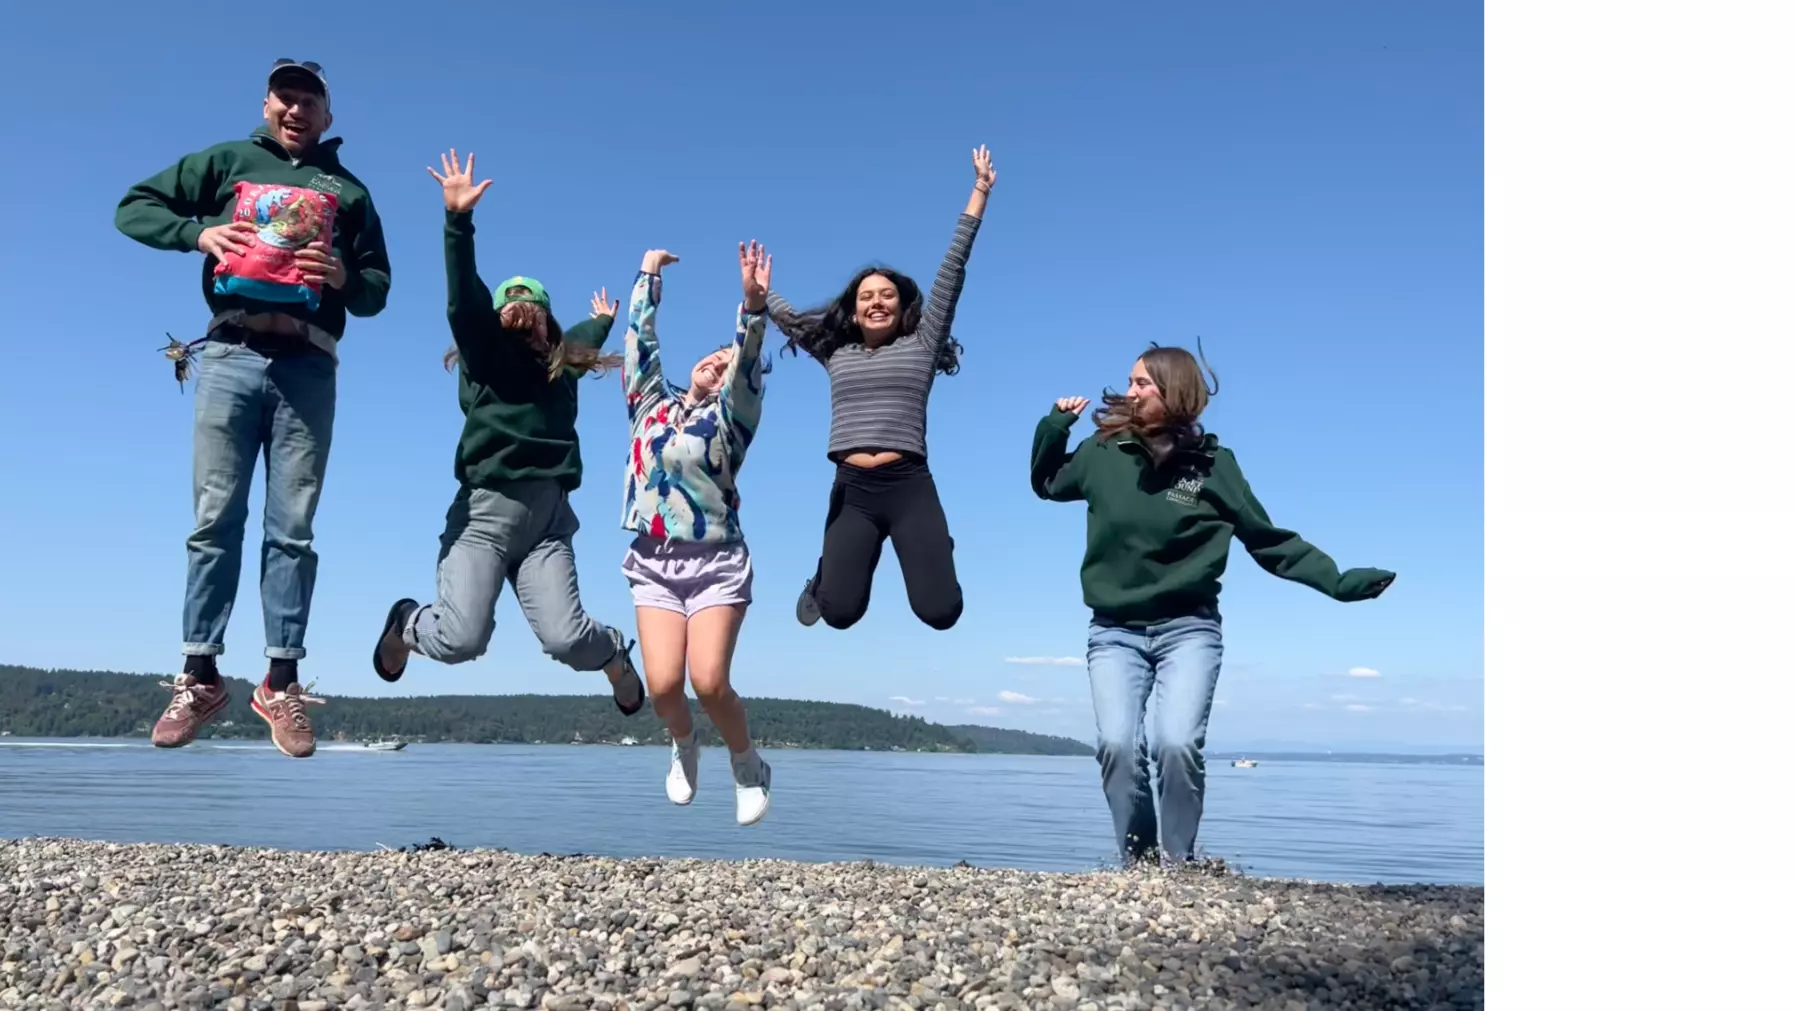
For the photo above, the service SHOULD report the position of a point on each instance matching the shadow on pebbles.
(155, 928)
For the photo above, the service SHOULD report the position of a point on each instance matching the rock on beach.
(167, 928)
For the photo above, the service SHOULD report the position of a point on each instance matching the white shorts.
(688, 576)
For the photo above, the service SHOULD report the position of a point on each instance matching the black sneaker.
(391, 652)
(808, 613)
(622, 668)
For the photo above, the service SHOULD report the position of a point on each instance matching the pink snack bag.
(287, 219)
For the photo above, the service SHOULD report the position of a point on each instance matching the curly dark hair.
(828, 328)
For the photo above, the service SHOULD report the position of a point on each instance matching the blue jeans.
(282, 409)
(1178, 661)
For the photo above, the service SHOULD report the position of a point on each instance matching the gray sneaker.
(625, 683)
(808, 613)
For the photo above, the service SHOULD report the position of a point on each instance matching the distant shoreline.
(1214, 757)
(101, 704)
(63, 703)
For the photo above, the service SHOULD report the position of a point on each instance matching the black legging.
(898, 501)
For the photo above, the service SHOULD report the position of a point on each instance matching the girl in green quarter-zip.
(1164, 502)
(517, 461)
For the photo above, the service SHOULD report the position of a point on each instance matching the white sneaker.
(682, 778)
(753, 787)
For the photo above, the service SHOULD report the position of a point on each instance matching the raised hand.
(1072, 405)
(986, 172)
(459, 193)
(654, 259)
(602, 306)
(756, 274)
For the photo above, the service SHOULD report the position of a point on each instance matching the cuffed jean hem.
(217, 649)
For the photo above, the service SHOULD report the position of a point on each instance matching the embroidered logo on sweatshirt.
(1187, 490)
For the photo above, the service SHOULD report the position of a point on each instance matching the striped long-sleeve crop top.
(879, 395)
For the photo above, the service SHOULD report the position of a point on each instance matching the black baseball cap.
(307, 74)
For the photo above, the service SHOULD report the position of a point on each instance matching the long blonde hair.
(555, 354)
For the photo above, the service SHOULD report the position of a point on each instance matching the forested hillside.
(40, 703)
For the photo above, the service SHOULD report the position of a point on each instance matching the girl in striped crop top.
(882, 350)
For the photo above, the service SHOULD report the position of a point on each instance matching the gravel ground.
(99, 925)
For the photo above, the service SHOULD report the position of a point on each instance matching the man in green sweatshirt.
(292, 247)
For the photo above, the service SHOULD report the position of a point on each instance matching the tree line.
(64, 703)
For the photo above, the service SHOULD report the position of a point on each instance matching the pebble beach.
(158, 928)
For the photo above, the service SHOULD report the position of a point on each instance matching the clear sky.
(1299, 184)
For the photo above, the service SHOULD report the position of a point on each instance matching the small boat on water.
(1245, 763)
(628, 742)
(386, 745)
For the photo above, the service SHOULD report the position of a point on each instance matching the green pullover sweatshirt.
(170, 209)
(520, 424)
(1158, 536)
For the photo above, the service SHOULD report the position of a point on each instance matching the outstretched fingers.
(451, 167)
(981, 166)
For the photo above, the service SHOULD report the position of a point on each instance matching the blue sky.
(1301, 186)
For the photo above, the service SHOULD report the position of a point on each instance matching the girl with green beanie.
(517, 461)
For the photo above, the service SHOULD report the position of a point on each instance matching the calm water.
(1330, 820)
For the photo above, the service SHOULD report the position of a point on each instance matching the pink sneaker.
(194, 706)
(284, 712)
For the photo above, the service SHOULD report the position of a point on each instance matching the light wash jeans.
(521, 532)
(282, 409)
(1175, 664)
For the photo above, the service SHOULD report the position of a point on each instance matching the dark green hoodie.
(520, 423)
(170, 209)
(1158, 536)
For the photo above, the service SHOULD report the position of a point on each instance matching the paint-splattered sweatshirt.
(683, 457)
